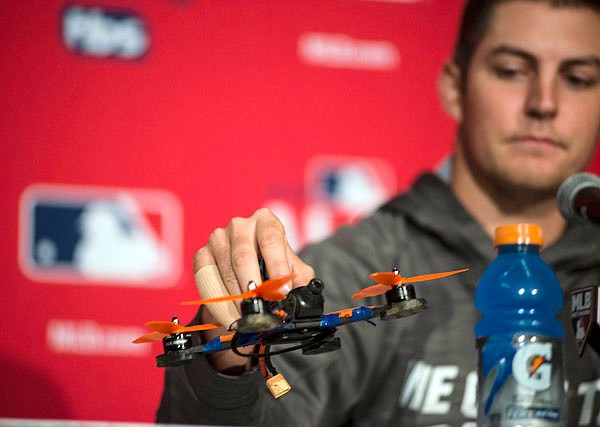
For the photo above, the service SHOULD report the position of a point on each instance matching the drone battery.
(278, 386)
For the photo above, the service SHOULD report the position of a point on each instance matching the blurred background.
(130, 129)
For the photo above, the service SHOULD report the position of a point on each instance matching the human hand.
(235, 252)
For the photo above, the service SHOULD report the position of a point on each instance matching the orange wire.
(261, 362)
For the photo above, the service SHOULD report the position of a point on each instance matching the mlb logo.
(583, 303)
(350, 185)
(337, 190)
(97, 235)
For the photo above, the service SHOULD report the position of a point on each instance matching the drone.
(272, 323)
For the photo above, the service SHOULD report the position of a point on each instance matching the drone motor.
(256, 316)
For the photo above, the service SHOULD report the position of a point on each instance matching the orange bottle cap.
(518, 234)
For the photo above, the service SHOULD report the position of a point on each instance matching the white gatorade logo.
(532, 366)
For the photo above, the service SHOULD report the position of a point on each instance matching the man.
(524, 87)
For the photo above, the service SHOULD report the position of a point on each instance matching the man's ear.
(450, 90)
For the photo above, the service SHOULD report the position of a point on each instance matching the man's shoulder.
(428, 190)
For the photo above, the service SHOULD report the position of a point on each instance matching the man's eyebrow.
(591, 60)
(510, 50)
(594, 61)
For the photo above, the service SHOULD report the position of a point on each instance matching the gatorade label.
(522, 382)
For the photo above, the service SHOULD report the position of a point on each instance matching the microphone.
(578, 198)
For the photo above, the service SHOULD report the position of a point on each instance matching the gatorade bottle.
(519, 337)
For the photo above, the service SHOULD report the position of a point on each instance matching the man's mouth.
(537, 140)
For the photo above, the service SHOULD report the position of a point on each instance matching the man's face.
(531, 103)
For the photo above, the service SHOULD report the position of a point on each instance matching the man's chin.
(536, 180)
(540, 185)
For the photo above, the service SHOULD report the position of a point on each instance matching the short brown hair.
(476, 18)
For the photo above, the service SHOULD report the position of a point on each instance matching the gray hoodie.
(416, 371)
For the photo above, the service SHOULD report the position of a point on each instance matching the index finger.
(273, 246)
(243, 256)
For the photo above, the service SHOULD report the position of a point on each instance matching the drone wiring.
(265, 364)
(315, 339)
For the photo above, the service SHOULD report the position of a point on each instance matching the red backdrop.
(131, 129)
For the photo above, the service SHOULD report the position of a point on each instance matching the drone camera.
(305, 302)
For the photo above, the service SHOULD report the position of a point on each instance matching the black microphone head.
(569, 189)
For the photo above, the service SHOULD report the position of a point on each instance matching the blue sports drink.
(519, 336)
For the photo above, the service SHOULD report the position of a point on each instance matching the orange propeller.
(163, 328)
(387, 280)
(267, 290)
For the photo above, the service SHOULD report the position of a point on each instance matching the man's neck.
(492, 207)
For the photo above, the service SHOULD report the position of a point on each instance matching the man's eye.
(579, 81)
(507, 72)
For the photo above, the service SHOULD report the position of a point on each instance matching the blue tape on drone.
(214, 345)
(333, 319)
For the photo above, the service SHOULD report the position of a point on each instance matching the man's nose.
(542, 99)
